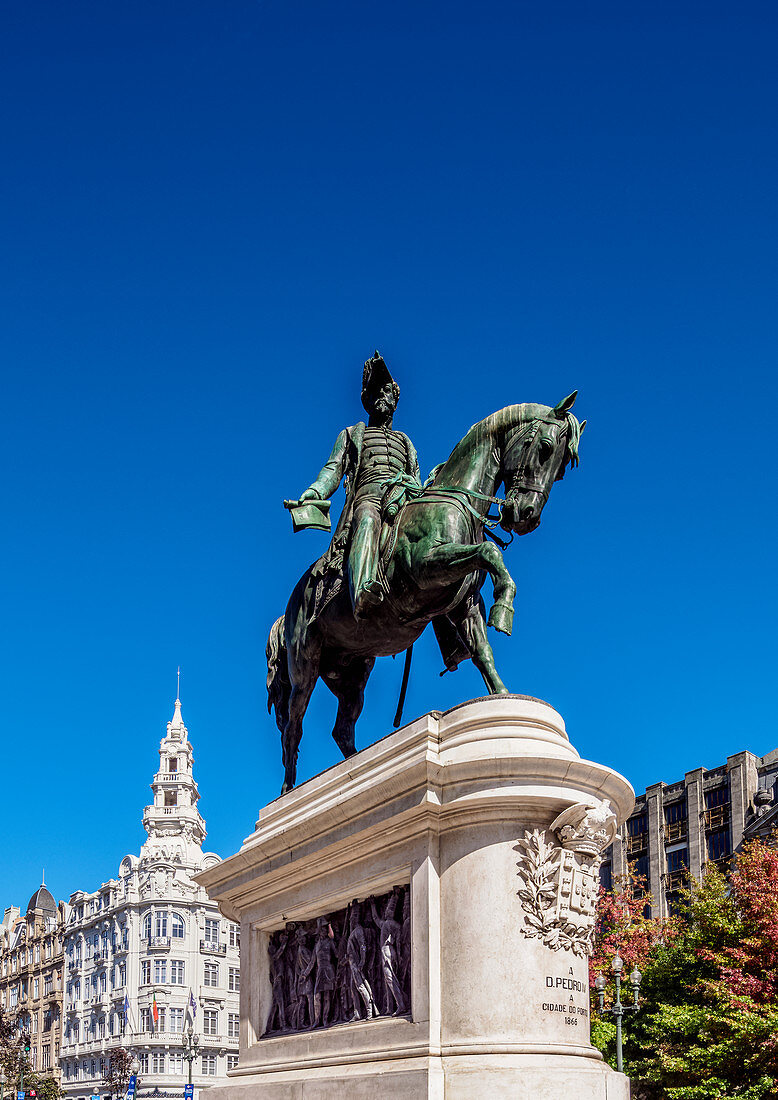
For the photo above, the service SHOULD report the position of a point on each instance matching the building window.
(677, 860)
(211, 974)
(211, 930)
(234, 935)
(145, 972)
(171, 798)
(176, 1066)
(606, 876)
(232, 1062)
(160, 923)
(177, 971)
(145, 1019)
(233, 1025)
(160, 1025)
(209, 1065)
(172, 764)
(176, 1019)
(146, 927)
(177, 927)
(675, 812)
(718, 796)
(35, 988)
(48, 984)
(101, 1028)
(144, 1062)
(160, 970)
(210, 1021)
(718, 844)
(234, 979)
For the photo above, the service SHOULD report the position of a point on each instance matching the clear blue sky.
(213, 213)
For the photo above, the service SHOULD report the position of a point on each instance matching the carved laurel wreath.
(538, 868)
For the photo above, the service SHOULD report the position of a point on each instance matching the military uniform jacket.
(343, 465)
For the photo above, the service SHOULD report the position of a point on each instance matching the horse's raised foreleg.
(471, 624)
(347, 684)
(453, 562)
(303, 674)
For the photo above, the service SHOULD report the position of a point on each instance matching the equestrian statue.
(404, 555)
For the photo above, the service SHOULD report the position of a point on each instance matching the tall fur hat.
(374, 377)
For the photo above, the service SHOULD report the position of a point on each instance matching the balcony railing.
(212, 948)
(637, 843)
(676, 831)
(717, 817)
(675, 880)
(158, 941)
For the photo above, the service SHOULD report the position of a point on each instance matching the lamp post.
(24, 1050)
(191, 1044)
(3, 1080)
(135, 1070)
(618, 1009)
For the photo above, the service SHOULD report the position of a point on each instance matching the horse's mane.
(513, 415)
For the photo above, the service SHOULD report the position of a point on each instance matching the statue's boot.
(367, 597)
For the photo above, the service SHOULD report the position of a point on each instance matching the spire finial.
(178, 686)
(43, 876)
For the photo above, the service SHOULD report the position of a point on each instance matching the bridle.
(521, 482)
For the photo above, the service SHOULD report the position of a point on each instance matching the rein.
(486, 521)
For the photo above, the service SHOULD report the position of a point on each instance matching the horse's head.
(536, 452)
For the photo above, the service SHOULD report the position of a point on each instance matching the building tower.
(149, 953)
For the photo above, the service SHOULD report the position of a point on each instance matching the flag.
(154, 1011)
(191, 1008)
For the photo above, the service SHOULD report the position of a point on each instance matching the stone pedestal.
(490, 815)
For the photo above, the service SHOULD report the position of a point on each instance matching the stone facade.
(149, 944)
(676, 829)
(31, 975)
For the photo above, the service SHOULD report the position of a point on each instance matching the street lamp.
(135, 1070)
(618, 1009)
(3, 1080)
(24, 1050)
(191, 1044)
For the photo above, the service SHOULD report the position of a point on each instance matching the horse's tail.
(279, 686)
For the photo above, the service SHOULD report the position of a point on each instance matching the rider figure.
(370, 458)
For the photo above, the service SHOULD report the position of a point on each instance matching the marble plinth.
(442, 804)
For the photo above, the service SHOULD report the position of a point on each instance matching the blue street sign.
(131, 1086)
(188, 1092)
(20, 1094)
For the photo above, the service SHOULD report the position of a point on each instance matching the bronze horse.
(433, 573)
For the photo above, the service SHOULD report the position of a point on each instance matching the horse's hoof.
(501, 618)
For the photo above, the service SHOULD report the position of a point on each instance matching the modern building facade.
(148, 953)
(677, 829)
(31, 975)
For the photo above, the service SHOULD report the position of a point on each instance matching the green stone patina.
(403, 555)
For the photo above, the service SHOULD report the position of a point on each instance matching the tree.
(117, 1075)
(708, 1028)
(621, 924)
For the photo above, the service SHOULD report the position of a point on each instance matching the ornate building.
(676, 829)
(31, 975)
(148, 951)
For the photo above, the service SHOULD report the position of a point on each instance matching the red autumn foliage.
(750, 969)
(621, 924)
